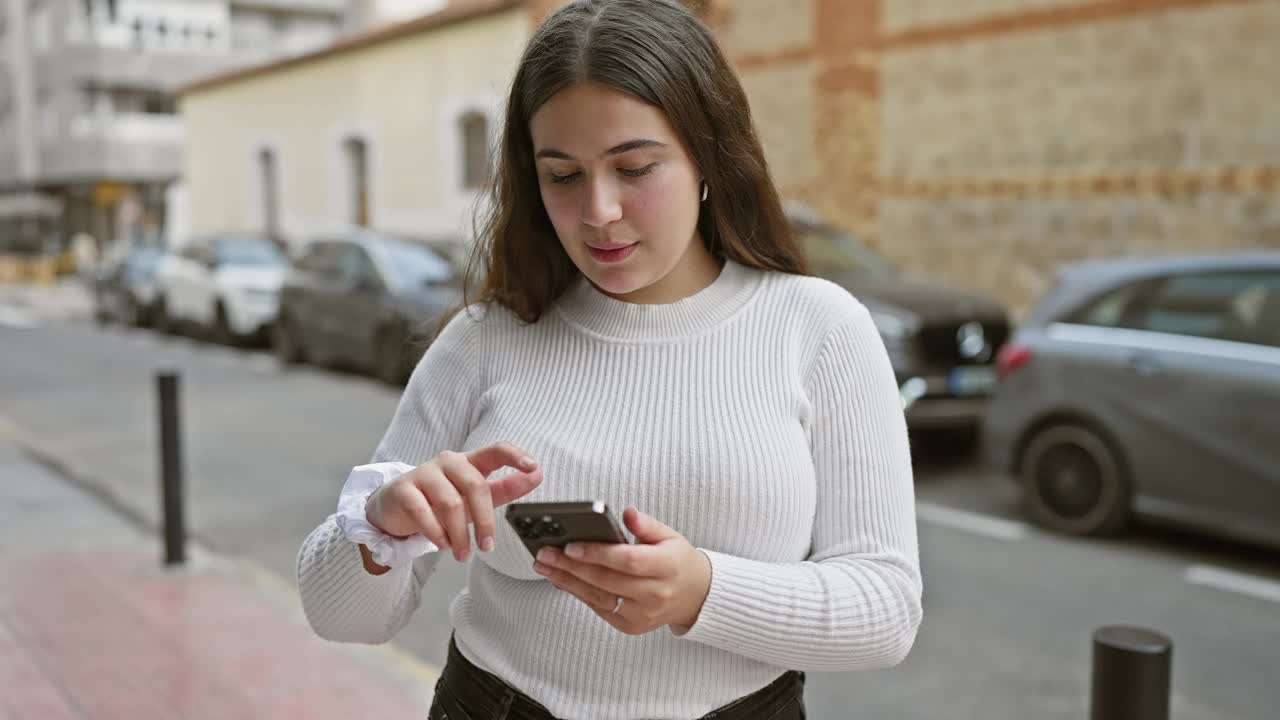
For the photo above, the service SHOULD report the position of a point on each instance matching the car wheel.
(131, 312)
(1073, 481)
(222, 332)
(391, 356)
(284, 341)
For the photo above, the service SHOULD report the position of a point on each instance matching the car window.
(357, 268)
(832, 251)
(197, 252)
(249, 252)
(321, 258)
(1237, 306)
(415, 265)
(1116, 308)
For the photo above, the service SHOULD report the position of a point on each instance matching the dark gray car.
(367, 299)
(942, 340)
(1148, 387)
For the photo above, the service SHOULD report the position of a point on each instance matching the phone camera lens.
(553, 528)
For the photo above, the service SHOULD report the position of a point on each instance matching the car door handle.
(1145, 365)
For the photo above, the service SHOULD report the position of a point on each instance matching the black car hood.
(928, 301)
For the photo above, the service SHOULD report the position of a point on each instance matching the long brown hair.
(657, 51)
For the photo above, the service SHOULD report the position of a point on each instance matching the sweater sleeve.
(341, 600)
(855, 602)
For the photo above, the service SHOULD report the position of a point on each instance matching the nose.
(601, 204)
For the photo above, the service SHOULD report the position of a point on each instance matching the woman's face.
(622, 192)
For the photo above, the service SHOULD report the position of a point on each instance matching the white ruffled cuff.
(386, 550)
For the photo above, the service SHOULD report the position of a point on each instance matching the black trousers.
(465, 692)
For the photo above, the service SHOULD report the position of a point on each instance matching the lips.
(611, 253)
(615, 246)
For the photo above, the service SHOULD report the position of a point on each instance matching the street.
(1009, 610)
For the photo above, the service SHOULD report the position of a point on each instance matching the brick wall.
(900, 15)
(985, 142)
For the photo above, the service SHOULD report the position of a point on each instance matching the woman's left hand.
(662, 579)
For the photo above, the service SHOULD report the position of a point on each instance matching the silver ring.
(618, 605)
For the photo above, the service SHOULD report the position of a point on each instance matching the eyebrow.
(627, 146)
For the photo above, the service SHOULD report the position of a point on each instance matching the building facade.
(389, 129)
(986, 142)
(89, 135)
(981, 143)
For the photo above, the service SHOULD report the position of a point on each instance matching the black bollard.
(1131, 669)
(171, 469)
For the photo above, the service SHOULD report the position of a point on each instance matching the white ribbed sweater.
(758, 417)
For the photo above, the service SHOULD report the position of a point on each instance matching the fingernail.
(541, 569)
(573, 550)
(486, 545)
(545, 555)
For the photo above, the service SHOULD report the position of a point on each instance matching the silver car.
(1147, 387)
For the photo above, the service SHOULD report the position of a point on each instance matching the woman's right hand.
(440, 497)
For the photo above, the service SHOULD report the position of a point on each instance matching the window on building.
(474, 128)
(270, 197)
(357, 156)
(158, 103)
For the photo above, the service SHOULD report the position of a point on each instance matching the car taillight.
(1011, 357)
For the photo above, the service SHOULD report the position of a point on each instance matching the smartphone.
(560, 523)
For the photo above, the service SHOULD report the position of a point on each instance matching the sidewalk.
(92, 626)
(29, 303)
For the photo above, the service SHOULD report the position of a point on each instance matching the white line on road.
(1235, 582)
(970, 522)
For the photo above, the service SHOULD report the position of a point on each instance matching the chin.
(620, 281)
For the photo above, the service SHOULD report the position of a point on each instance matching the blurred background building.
(982, 142)
(987, 141)
(389, 129)
(90, 139)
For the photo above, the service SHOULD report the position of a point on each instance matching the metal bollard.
(1131, 668)
(171, 469)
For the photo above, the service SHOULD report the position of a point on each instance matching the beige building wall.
(1005, 154)
(986, 142)
(404, 97)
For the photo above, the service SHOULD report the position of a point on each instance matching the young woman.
(646, 336)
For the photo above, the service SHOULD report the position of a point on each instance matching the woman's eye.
(637, 172)
(563, 179)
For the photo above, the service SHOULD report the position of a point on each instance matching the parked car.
(124, 287)
(227, 285)
(366, 299)
(942, 340)
(1147, 387)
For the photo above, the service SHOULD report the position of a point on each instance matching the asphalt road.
(1009, 610)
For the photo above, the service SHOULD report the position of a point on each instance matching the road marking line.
(1234, 582)
(971, 522)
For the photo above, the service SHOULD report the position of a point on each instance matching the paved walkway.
(92, 626)
(29, 304)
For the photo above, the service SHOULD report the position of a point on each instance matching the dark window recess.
(158, 104)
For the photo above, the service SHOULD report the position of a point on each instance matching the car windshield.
(249, 252)
(413, 265)
(833, 251)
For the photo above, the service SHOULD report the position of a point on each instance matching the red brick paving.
(106, 634)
